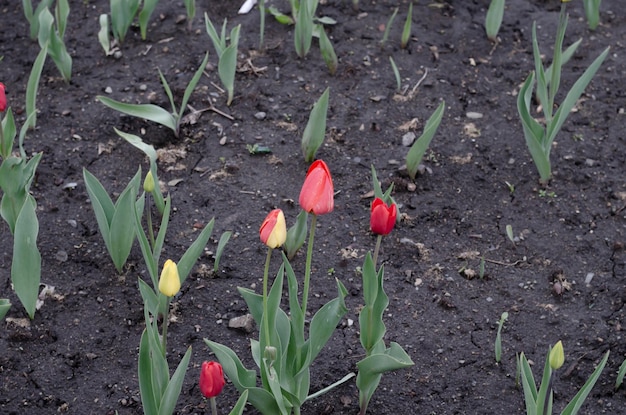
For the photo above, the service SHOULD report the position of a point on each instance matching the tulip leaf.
(296, 235)
(574, 406)
(495, 12)
(26, 264)
(220, 249)
(313, 135)
(226, 69)
(189, 258)
(172, 391)
(419, 147)
(324, 323)
(33, 86)
(121, 236)
(327, 51)
(241, 404)
(148, 399)
(150, 112)
(5, 305)
(144, 16)
(191, 86)
(303, 33)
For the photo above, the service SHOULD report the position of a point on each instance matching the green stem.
(307, 270)
(213, 406)
(376, 249)
(165, 321)
(266, 324)
(149, 221)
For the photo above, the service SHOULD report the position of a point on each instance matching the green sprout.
(419, 147)
(592, 11)
(539, 137)
(226, 54)
(498, 343)
(493, 21)
(406, 32)
(388, 27)
(313, 135)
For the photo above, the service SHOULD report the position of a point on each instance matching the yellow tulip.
(148, 183)
(169, 283)
(557, 356)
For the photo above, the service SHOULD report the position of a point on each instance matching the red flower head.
(317, 194)
(211, 379)
(383, 217)
(3, 98)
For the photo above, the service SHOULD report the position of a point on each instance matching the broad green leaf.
(101, 203)
(572, 96)
(189, 258)
(136, 141)
(296, 235)
(574, 406)
(303, 33)
(146, 250)
(172, 391)
(62, 11)
(533, 131)
(150, 112)
(219, 43)
(620, 374)
(328, 52)
(121, 229)
(192, 85)
(324, 323)
(416, 153)
(313, 135)
(241, 402)
(226, 68)
(26, 264)
(8, 134)
(148, 399)
(150, 298)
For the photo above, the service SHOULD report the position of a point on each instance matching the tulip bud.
(211, 379)
(317, 194)
(274, 229)
(148, 183)
(3, 98)
(557, 356)
(169, 283)
(383, 217)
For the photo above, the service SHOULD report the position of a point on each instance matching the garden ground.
(79, 354)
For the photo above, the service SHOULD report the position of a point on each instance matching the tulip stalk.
(266, 271)
(307, 266)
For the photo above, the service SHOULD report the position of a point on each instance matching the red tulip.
(383, 217)
(3, 98)
(317, 194)
(211, 379)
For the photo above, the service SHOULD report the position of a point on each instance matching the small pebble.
(108, 90)
(260, 115)
(474, 115)
(408, 138)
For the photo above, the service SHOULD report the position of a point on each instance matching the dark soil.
(79, 354)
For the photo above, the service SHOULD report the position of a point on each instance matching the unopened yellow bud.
(169, 283)
(557, 356)
(148, 183)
